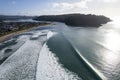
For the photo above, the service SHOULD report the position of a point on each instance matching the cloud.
(109, 1)
(65, 6)
(69, 6)
(100, 7)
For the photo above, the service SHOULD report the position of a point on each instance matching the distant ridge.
(13, 17)
(88, 20)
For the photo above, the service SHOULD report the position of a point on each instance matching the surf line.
(93, 70)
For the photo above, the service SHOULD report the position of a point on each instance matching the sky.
(54, 7)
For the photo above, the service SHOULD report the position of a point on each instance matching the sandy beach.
(7, 36)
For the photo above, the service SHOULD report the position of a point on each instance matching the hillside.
(76, 19)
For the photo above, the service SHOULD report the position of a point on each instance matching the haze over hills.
(13, 17)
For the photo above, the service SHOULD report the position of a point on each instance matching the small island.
(88, 20)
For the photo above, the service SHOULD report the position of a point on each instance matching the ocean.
(61, 52)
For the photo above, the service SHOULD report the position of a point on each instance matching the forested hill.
(76, 19)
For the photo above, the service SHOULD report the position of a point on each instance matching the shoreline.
(9, 35)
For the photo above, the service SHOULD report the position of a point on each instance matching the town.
(10, 27)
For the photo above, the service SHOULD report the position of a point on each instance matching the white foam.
(21, 64)
(49, 68)
(50, 34)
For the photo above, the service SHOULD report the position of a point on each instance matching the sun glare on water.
(116, 20)
(111, 42)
